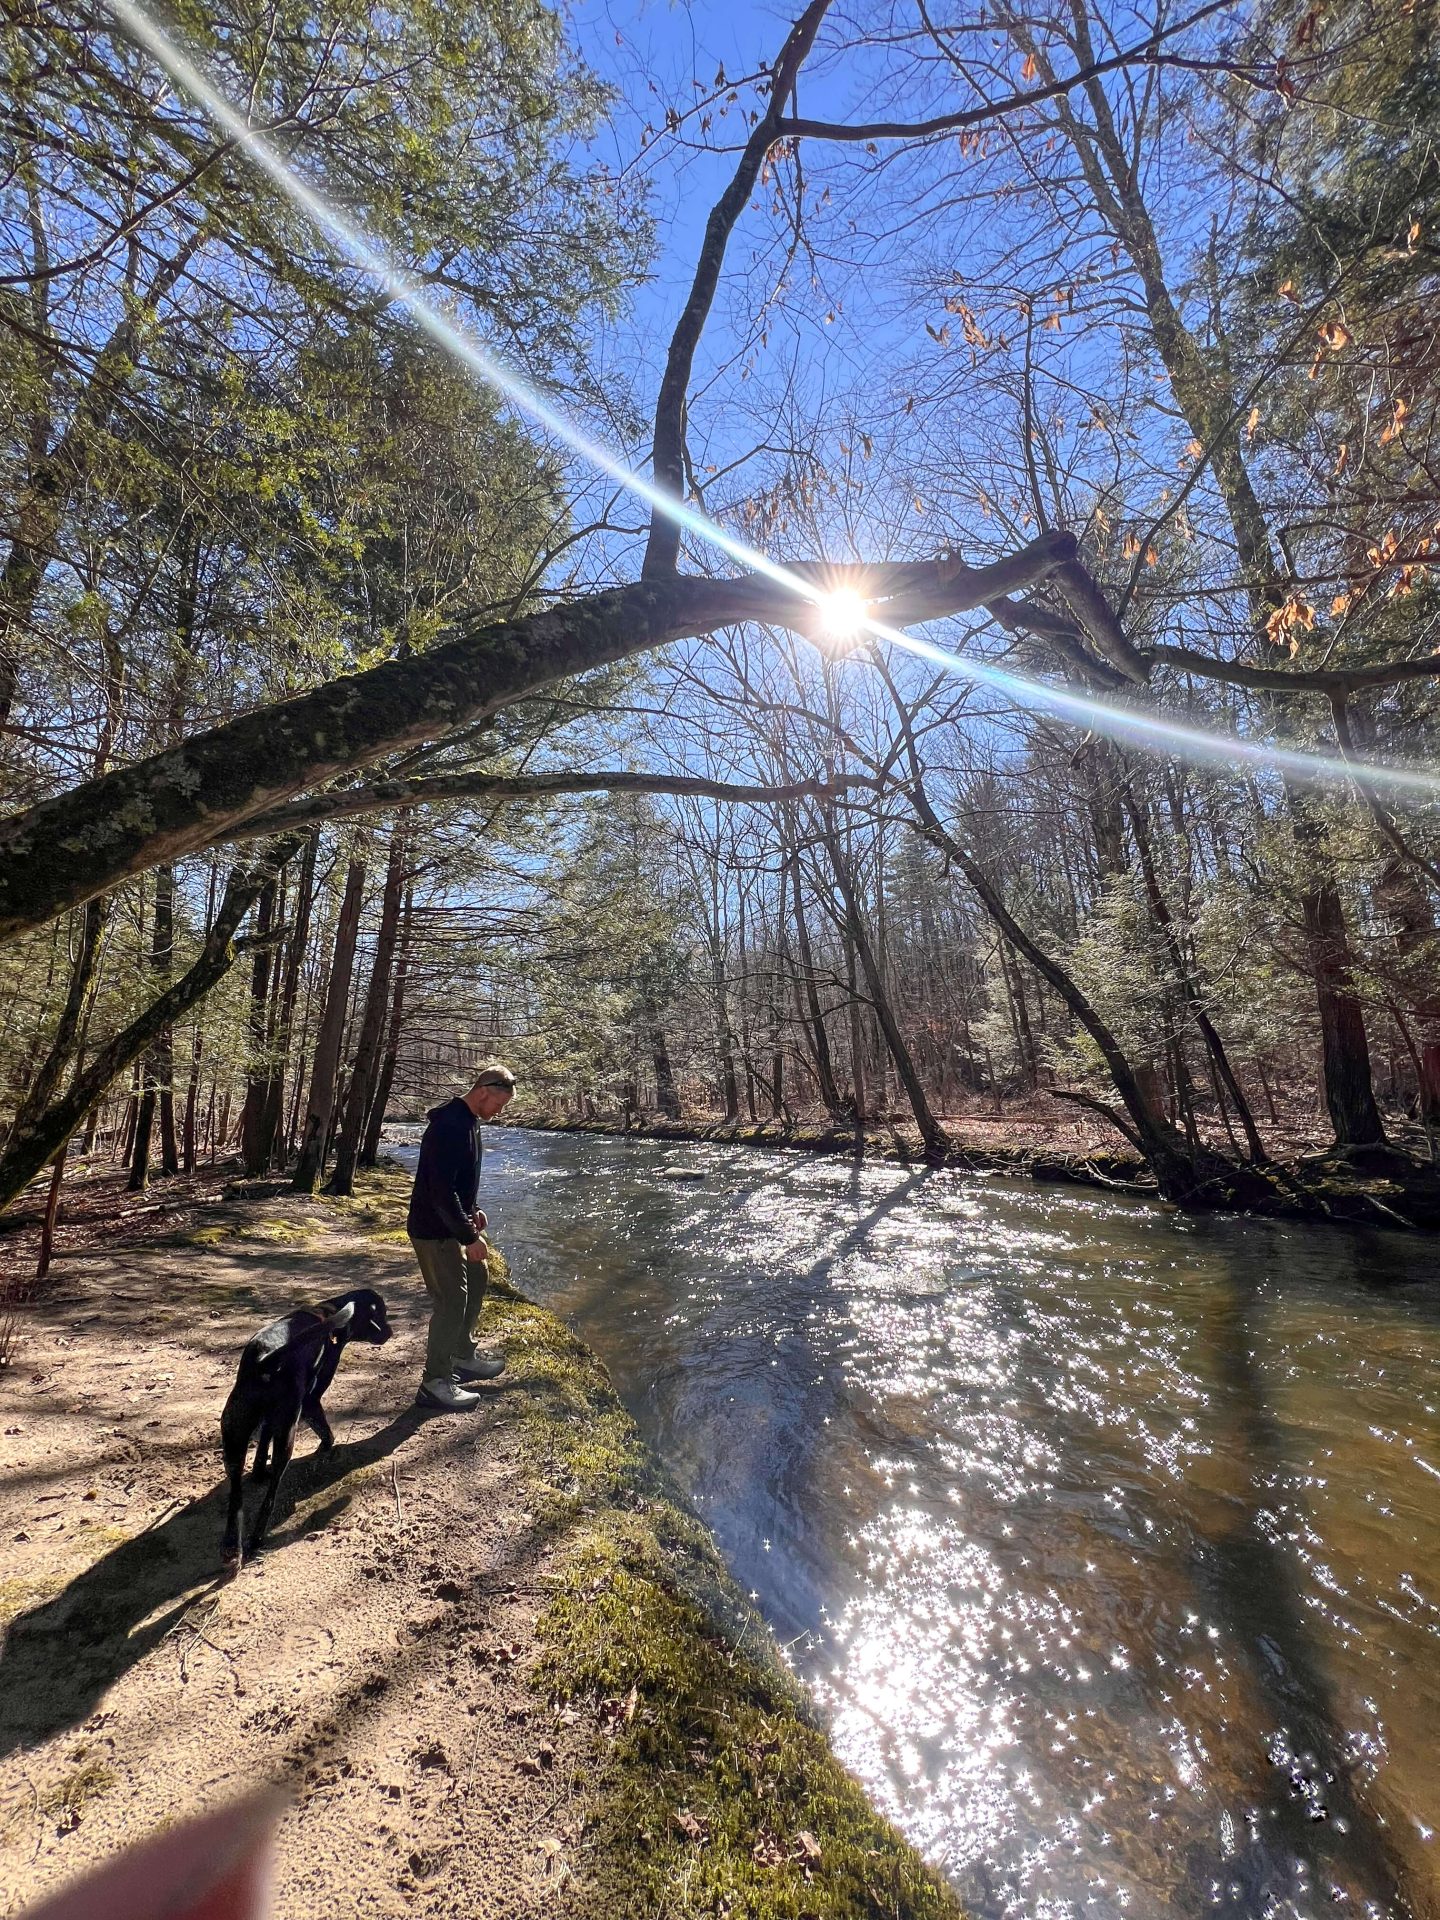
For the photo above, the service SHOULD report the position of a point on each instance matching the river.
(1107, 1539)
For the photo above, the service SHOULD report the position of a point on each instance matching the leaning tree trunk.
(332, 1031)
(1181, 1174)
(64, 1041)
(191, 796)
(25, 1154)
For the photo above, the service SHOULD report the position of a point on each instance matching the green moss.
(378, 1206)
(16, 1595)
(65, 1800)
(207, 1236)
(717, 1793)
(279, 1231)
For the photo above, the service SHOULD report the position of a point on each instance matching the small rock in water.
(682, 1173)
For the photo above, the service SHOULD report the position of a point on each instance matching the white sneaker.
(483, 1366)
(446, 1397)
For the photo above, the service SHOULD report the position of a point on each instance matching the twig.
(171, 1506)
(395, 1483)
(39, 1817)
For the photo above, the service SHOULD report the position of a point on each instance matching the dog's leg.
(313, 1415)
(282, 1444)
(235, 1431)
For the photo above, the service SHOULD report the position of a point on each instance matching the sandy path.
(374, 1658)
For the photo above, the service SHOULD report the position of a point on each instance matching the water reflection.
(1107, 1539)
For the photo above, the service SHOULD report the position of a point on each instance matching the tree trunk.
(857, 1028)
(380, 1100)
(667, 1097)
(332, 1031)
(190, 796)
(52, 1215)
(25, 1154)
(258, 1069)
(1180, 1174)
(1195, 1005)
(48, 1074)
(1349, 1088)
(724, 1028)
(931, 1132)
(157, 1064)
(144, 1139)
(1416, 975)
(819, 1039)
(269, 1148)
(365, 1069)
(192, 1094)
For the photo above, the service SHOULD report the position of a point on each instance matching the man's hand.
(478, 1251)
(478, 1221)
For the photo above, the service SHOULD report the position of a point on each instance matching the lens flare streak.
(843, 615)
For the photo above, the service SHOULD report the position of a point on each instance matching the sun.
(844, 616)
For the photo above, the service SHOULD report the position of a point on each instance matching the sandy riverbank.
(495, 1665)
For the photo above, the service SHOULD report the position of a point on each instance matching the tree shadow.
(60, 1658)
(1311, 1806)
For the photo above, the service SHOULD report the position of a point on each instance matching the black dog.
(282, 1377)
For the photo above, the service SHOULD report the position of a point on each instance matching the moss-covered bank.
(715, 1791)
(718, 1793)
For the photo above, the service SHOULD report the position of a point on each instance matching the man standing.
(448, 1235)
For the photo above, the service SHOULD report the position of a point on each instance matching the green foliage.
(616, 960)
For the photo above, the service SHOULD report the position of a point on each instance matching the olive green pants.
(457, 1289)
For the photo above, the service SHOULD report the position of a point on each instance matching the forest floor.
(495, 1666)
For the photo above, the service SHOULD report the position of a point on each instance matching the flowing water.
(1108, 1540)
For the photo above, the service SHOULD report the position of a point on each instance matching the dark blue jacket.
(447, 1180)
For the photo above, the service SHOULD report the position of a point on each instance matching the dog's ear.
(341, 1317)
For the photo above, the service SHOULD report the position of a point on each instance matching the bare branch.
(668, 453)
(1326, 680)
(1143, 52)
(384, 794)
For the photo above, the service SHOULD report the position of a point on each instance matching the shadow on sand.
(61, 1657)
